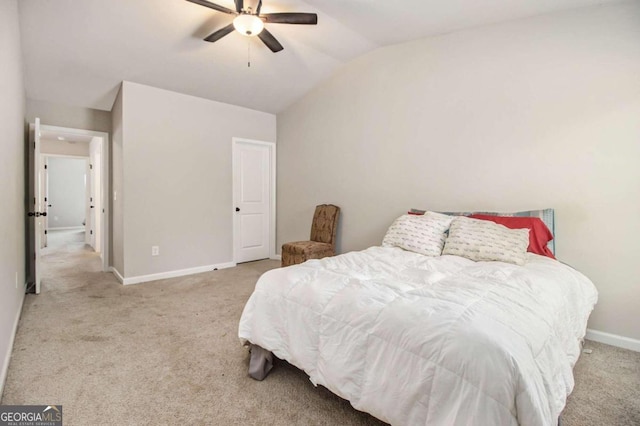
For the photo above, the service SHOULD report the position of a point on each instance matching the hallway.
(65, 259)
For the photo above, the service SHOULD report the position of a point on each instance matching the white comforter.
(415, 340)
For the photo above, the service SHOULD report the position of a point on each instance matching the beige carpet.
(167, 352)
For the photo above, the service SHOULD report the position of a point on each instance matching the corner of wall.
(7, 357)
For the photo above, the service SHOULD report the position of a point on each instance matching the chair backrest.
(325, 224)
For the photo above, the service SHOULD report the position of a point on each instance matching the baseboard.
(7, 357)
(172, 274)
(276, 257)
(613, 340)
(117, 274)
(66, 228)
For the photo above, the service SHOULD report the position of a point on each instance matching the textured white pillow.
(484, 240)
(423, 234)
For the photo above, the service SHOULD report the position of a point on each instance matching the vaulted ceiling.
(76, 52)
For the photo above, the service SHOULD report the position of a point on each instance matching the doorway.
(57, 144)
(254, 199)
(66, 196)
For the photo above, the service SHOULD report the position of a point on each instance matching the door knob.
(237, 209)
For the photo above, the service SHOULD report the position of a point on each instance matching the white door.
(252, 194)
(36, 213)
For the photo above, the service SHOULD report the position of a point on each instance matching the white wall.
(67, 192)
(541, 112)
(12, 213)
(177, 177)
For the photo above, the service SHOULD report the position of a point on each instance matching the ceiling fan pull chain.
(248, 53)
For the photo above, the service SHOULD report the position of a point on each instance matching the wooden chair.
(322, 241)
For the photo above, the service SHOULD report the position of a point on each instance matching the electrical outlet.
(155, 251)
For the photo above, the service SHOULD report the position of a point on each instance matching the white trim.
(172, 274)
(66, 228)
(613, 340)
(117, 274)
(7, 357)
(275, 257)
(272, 241)
(272, 171)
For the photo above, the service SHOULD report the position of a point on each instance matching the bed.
(437, 340)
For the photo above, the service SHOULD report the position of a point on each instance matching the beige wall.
(176, 157)
(53, 114)
(12, 213)
(542, 112)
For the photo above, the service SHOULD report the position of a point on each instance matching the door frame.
(104, 182)
(44, 182)
(36, 190)
(95, 200)
(88, 221)
(272, 190)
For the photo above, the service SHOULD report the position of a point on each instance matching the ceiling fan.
(251, 23)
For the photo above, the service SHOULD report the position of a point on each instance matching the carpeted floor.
(65, 239)
(167, 352)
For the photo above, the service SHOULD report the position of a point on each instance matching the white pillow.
(485, 240)
(423, 234)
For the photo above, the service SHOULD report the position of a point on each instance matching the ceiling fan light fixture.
(248, 25)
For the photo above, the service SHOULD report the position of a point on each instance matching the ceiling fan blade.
(258, 7)
(219, 34)
(290, 18)
(239, 5)
(213, 6)
(271, 42)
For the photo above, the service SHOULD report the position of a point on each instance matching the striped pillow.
(481, 240)
(423, 234)
(547, 216)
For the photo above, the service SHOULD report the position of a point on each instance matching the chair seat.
(307, 247)
(300, 251)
